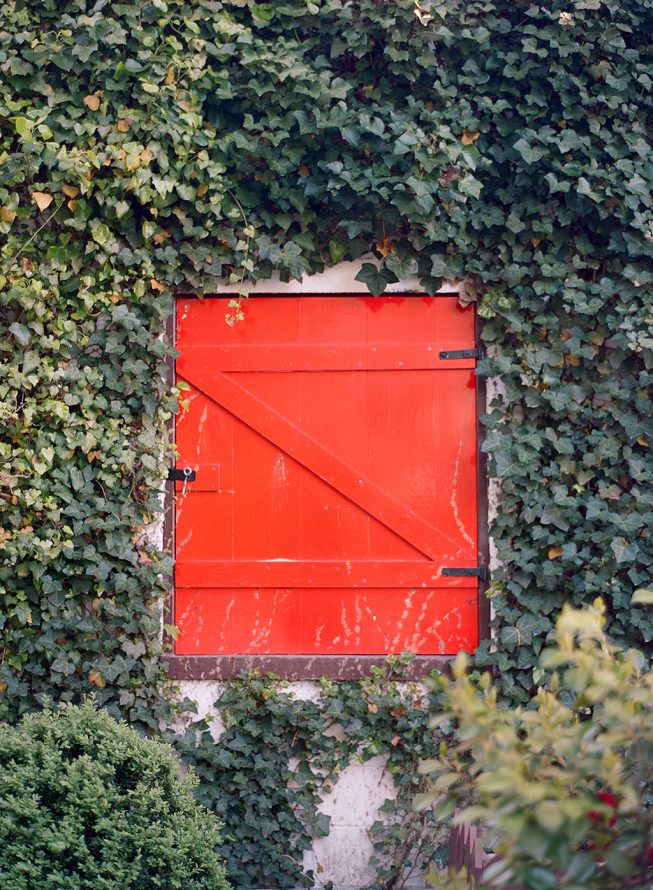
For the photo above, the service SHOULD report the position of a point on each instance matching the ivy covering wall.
(153, 148)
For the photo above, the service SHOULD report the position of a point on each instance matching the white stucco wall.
(338, 279)
(340, 860)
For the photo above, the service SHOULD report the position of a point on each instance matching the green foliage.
(278, 755)
(85, 803)
(148, 148)
(566, 782)
(263, 777)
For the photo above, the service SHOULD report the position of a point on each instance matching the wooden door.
(336, 478)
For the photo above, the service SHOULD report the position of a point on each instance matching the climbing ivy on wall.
(153, 148)
(277, 755)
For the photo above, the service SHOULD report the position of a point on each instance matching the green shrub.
(565, 782)
(85, 802)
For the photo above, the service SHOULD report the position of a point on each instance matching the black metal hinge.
(463, 353)
(181, 475)
(476, 572)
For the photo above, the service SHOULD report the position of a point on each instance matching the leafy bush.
(87, 803)
(565, 782)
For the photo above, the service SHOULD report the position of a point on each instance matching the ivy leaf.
(96, 678)
(531, 625)
(620, 548)
(337, 251)
(641, 187)
(402, 266)
(510, 637)
(405, 143)
(376, 279)
(469, 185)
(469, 137)
(92, 101)
(43, 200)
(20, 332)
(23, 126)
(584, 188)
(531, 154)
(321, 825)
(642, 597)
(262, 12)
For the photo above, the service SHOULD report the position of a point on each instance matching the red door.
(336, 481)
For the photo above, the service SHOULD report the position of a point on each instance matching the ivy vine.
(149, 148)
(268, 771)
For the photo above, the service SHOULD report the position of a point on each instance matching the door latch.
(185, 475)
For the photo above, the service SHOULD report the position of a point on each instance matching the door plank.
(303, 573)
(329, 356)
(325, 621)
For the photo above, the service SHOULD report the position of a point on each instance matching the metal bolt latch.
(185, 475)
